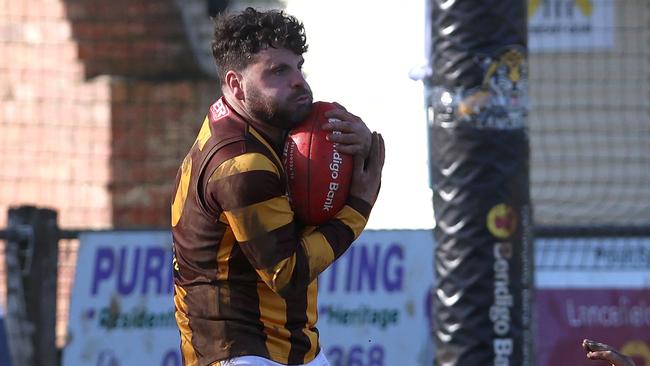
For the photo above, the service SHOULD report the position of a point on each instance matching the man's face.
(275, 89)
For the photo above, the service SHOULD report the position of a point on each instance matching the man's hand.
(366, 176)
(348, 131)
(601, 351)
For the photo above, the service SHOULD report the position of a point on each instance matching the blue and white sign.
(122, 309)
(373, 303)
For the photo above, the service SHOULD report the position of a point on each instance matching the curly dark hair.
(239, 36)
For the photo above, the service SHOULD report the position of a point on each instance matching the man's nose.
(298, 80)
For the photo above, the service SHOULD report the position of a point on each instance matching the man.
(601, 351)
(245, 270)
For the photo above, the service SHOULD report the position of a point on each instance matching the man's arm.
(248, 189)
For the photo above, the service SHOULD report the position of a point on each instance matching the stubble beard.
(271, 112)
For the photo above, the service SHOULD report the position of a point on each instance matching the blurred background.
(100, 100)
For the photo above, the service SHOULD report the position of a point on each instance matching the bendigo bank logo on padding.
(502, 221)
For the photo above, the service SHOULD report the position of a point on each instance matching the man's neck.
(275, 135)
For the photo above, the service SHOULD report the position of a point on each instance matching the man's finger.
(349, 149)
(382, 151)
(339, 106)
(343, 138)
(590, 345)
(358, 168)
(605, 355)
(375, 158)
(612, 357)
(600, 351)
(342, 115)
(377, 151)
(335, 124)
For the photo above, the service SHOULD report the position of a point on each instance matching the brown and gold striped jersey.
(245, 272)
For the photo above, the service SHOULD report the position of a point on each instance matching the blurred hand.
(601, 351)
(348, 131)
(366, 176)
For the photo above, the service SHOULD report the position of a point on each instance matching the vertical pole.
(32, 258)
(479, 155)
(20, 330)
(5, 356)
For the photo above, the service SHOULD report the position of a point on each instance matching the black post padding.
(479, 155)
(483, 300)
(469, 29)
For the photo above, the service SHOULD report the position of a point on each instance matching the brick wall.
(54, 136)
(99, 102)
(132, 38)
(74, 141)
(153, 126)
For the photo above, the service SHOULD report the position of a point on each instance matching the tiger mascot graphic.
(502, 99)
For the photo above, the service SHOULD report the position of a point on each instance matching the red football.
(318, 175)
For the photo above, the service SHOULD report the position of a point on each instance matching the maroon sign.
(618, 317)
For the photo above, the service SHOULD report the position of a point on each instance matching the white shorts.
(320, 360)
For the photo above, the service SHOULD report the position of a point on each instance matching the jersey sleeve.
(287, 258)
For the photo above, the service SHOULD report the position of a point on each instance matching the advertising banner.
(122, 311)
(618, 317)
(374, 301)
(596, 288)
(570, 25)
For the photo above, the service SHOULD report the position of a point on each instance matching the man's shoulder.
(238, 143)
(228, 128)
(240, 153)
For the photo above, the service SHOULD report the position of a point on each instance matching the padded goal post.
(479, 155)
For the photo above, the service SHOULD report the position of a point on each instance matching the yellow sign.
(585, 6)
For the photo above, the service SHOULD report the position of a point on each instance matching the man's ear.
(233, 81)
